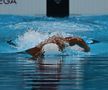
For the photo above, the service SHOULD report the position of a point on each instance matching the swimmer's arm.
(72, 41)
(82, 44)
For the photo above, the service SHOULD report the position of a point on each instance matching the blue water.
(73, 70)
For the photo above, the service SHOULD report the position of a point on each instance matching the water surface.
(73, 70)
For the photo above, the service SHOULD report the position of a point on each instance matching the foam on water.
(30, 39)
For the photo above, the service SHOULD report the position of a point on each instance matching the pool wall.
(89, 7)
(38, 7)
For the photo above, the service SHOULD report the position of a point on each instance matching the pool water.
(71, 70)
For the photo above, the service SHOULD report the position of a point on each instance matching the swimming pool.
(73, 70)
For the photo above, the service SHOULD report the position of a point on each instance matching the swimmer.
(61, 42)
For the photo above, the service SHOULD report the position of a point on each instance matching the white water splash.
(30, 39)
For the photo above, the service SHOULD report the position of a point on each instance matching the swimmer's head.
(51, 48)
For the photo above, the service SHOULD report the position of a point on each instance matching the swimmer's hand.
(10, 42)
